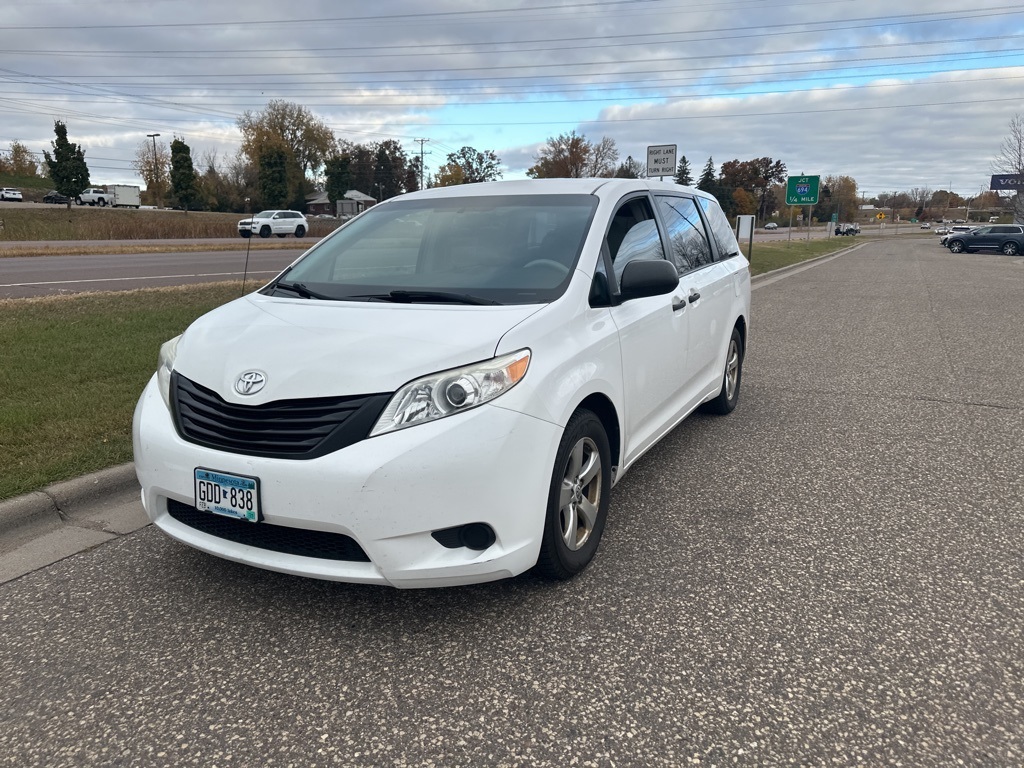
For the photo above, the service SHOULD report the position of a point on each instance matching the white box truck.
(117, 195)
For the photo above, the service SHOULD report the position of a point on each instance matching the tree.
(273, 176)
(183, 174)
(571, 156)
(450, 175)
(707, 177)
(19, 162)
(338, 177)
(631, 169)
(683, 174)
(475, 166)
(362, 167)
(1010, 159)
(68, 171)
(151, 161)
(765, 173)
(389, 169)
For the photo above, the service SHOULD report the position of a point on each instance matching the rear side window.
(689, 247)
(720, 229)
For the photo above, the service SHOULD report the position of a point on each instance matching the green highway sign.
(802, 190)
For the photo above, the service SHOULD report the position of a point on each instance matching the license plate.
(229, 495)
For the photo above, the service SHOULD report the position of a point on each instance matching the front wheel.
(1010, 248)
(578, 498)
(730, 394)
(955, 247)
(300, 231)
(264, 231)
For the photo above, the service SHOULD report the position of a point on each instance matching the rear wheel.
(102, 203)
(730, 394)
(578, 498)
(1010, 248)
(264, 231)
(300, 231)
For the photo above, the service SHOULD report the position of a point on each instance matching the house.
(353, 203)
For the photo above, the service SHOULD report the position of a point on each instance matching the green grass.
(783, 253)
(87, 223)
(71, 371)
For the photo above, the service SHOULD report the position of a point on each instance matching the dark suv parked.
(1006, 238)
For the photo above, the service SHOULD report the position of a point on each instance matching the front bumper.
(388, 493)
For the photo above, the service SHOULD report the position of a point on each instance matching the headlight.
(449, 392)
(168, 352)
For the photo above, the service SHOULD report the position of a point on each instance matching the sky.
(898, 94)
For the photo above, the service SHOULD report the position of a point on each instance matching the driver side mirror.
(648, 277)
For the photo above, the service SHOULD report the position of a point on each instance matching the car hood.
(318, 349)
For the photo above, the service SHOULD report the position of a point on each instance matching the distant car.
(941, 230)
(848, 229)
(1005, 238)
(280, 223)
(956, 229)
(771, 225)
(55, 198)
(324, 216)
(13, 195)
(926, 225)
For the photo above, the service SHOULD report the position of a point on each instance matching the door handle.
(678, 305)
(694, 296)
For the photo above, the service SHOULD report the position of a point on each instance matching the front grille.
(275, 538)
(284, 429)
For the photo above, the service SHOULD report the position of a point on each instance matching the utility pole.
(155, 169)
(421, 143)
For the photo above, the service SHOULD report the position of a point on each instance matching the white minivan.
(445, 389)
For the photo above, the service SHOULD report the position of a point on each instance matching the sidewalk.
(45, 526)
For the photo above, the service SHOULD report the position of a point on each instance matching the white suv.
(280, 223)
(445, 389)
(13, 195)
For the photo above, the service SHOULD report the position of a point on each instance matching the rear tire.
(578, 498)
(1010, 248)
(300, 231)
(726, 400)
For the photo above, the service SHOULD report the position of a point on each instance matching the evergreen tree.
(683, 174)
(707, 177)
(339, 177)
(68, 171)
(273, 176)
(184, 182)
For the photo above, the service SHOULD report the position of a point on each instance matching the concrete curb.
(24, 518)
(781, 272)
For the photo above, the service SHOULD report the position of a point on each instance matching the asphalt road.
(833, 574)
(21, 277)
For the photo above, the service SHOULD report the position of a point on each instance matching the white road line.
(147, 277)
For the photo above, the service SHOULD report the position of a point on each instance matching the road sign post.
(661, 160)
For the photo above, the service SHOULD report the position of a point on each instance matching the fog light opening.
(475, 536)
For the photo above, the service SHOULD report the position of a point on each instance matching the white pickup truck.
(117, 195)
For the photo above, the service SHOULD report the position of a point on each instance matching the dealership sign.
(1008, 182)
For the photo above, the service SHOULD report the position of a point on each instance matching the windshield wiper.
(411, 297)
(302, 290)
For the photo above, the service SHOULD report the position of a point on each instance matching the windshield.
(510, 249)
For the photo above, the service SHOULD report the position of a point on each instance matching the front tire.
(956, 246)
(264, 231)
(578, 498)
(726, 400)
(1010, 248)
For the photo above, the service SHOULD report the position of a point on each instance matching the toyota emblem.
(250, 382)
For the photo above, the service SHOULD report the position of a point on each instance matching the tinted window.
(633, 234)
(688, 242)
(720, 229)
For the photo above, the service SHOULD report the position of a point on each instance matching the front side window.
(633, 235)
(688, 242)
(720, 229)
(507, 249)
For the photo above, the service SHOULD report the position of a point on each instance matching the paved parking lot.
(834, 574)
